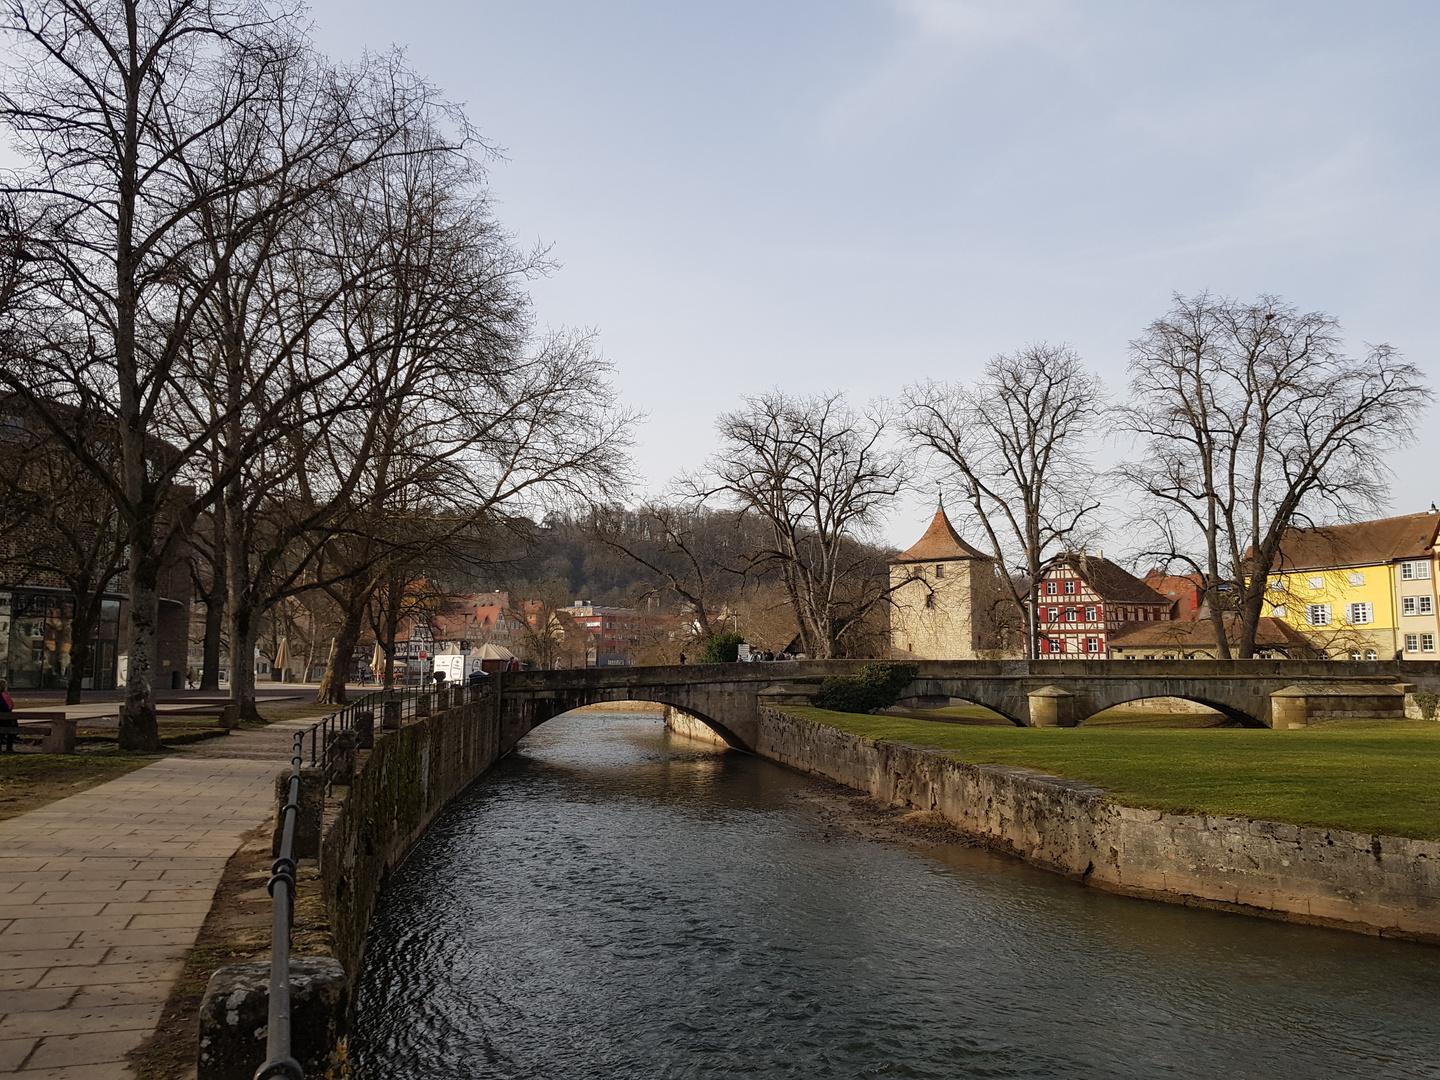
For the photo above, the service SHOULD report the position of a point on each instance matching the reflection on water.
(614, 901)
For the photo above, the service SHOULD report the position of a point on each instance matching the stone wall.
(684, 724)
(409, 777)
(1373, 884)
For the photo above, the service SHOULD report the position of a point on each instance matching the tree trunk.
(332, 686)
(139, 729)
(215, 599)
(214, 628)
(82, 628)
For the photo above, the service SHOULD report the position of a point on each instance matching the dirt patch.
(846, 812)
(236, 929)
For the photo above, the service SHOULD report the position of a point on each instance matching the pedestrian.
(9, 727)
(682, 659)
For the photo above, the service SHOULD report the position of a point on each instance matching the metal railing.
(279, 1059)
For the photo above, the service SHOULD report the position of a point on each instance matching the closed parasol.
(282, 660)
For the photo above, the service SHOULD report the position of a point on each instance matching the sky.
(860, 194)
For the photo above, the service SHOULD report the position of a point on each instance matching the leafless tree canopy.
(278, 281)
(818, 474)
(1015, 443)
(1251, 419)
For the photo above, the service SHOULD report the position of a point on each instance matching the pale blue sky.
(860, 193)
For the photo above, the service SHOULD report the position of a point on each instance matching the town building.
(1085, 600)
(1363, 591)
(1194, 639)
(615, 632)
(947, 599)
(1184, 591)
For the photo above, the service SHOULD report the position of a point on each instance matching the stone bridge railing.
(1260, 693)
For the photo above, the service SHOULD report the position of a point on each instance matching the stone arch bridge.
(727, 697)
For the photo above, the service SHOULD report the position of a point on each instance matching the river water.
(616, 901)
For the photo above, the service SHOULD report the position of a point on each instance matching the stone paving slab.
(102, 895)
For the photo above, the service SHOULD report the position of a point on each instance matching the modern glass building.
(35, 640)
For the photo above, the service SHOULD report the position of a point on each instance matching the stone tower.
(946, 598)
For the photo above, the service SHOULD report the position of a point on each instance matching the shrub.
(1428, 704)
(721, 649)
(874, 686)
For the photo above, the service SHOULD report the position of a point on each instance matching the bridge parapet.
(1028, 693)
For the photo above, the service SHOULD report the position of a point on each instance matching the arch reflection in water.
(613, 901)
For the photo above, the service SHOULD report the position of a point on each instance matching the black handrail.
(279, 1059)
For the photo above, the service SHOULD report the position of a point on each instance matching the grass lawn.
(28, 781)
(1369, 776)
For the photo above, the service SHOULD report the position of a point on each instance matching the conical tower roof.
(939, 543)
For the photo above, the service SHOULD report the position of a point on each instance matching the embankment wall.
(408, 778)
(1373, 884)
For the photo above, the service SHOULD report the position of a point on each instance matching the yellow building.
(1364, 591)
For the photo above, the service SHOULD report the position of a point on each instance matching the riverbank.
(1365, 776)
(1370, 883)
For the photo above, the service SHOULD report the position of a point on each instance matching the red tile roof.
(1111, 581)
(1200, 633)
(1364, 543)
(939, 543)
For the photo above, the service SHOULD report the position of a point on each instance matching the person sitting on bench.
(9, 726)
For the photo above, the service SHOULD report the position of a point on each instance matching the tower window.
(939, 570)
(929, 600)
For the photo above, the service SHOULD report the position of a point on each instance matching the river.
(615, 901)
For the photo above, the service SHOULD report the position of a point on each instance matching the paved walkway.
(102, 895)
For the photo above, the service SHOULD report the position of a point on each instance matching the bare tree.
(1251, 420)
(818, 474)
(59, 525)
(697, 554)
(1016, 444)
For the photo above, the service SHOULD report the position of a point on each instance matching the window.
(1412, 642)
(1317, 614)
(1050, 588)
(1427, 605)
(1069, 614)
(1089, 614)
(1317, 583)
(1354, 656)
(1357, 579)
(939, 570)
(930, 600)
(1370, 654)
(1054, 613)
(1359, 614)
(1277, 583)
(1427, 642)
(1408, 605)
(1092, 644)
(1058, 645)
(1278, 611)
(1415, 571)
(1069, 588)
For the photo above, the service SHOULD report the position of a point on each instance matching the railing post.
(422, 703)
(393, 715)
(365, 729)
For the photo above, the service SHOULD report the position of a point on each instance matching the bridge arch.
(1230, 712)
(919, 703)
(571, 702)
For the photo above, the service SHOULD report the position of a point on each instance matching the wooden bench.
(59, 738)
(225, 710)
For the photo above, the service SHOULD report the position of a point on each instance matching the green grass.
(1368, 776)
(28, 781)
